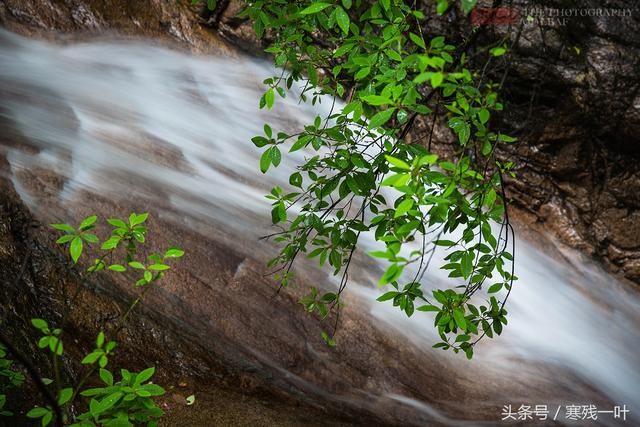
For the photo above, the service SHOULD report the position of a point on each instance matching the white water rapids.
(146, 123)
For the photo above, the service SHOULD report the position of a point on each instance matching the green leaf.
(46, 420)
(65, 396)
(461, 128)
(468, 5)
(75, 249)
(381, 118)
(498, 51)
(117, 267)
(106, 377)
(276, 156)
(260, 141)
(397, 162)
(417, 40)
(109, 401)
(137, 219)
(466, 264)
(315, 8)
(468, 351)
(173, 253)
(40, 324)
(377, 100)
(442, 6)
(153, 389)
(111, 243)
(483, 115)
(100, 339)
(327, 339)
(88, 222)
(137, 265)
(90, 238)
(56, 346)
(37, 412)
(117, 223)
(269, 98)
(436, 79)
(65, 239)
(403, 207)
(506, 138)
(190, 400)
(91, 358)
(145, 375)
(387, 296)
(342, 18)
(159, 267)
(458, 316)
(64, 227)
(296, 179)
(265, 160)
(495, 288)
(362, 73)
(497, 327)
(428, 308)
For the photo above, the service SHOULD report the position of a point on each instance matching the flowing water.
(171, 132)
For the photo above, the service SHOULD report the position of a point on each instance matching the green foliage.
(9, 378)
(362, 175)
(129, 401)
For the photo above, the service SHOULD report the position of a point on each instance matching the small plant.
(9, 378)
(129, 401)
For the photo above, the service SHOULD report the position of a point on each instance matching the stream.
(138, 125)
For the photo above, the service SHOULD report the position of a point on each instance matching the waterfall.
(158, 128)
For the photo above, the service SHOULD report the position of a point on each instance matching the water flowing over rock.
(159, 140)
